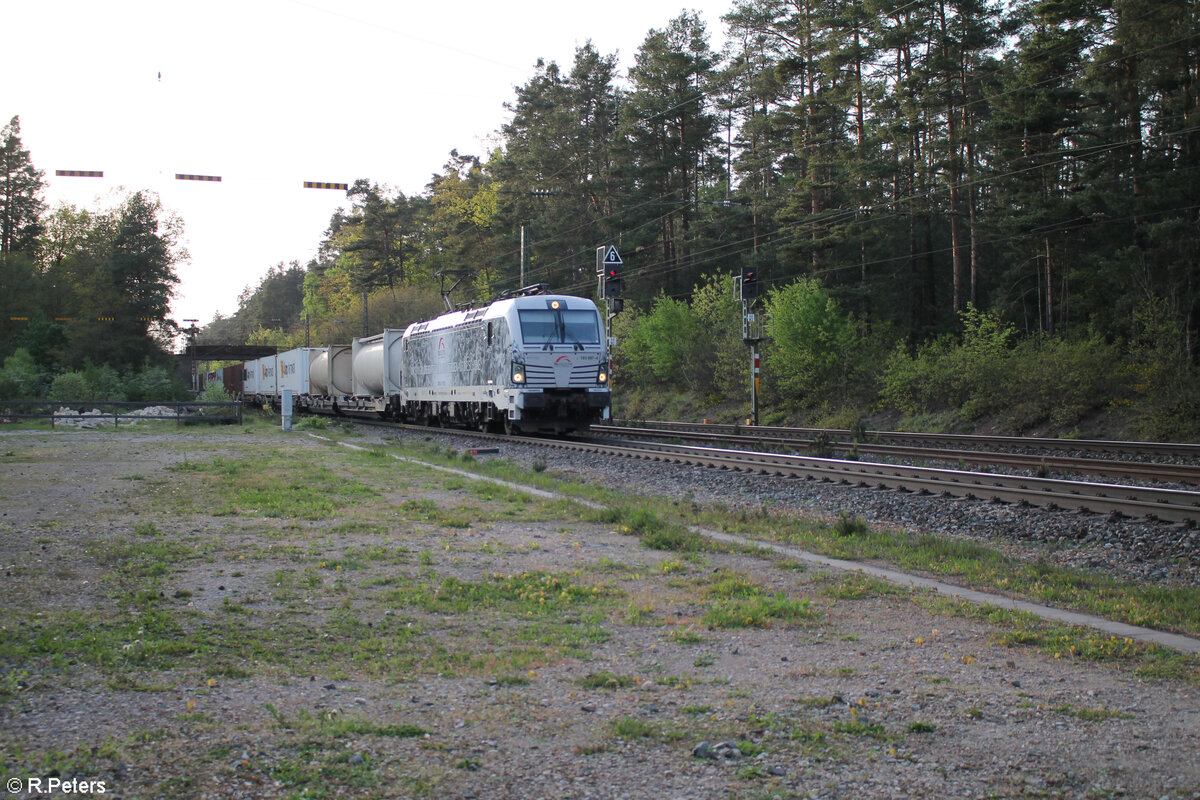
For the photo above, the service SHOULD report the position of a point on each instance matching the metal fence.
(88, 413)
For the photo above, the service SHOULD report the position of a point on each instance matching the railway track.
(1041, 456)
(1148, 502)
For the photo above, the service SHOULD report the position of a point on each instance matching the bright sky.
(268, 94)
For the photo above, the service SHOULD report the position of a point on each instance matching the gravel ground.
(874, 695)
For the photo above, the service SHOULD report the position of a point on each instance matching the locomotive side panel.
(498, 352)
(419, 365)
(468, 354)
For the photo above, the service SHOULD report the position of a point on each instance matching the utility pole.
(524, 228)
(365, 321)
(191, 334)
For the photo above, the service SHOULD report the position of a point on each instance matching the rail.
(1151, 503)
(98, 412)
(1041, 462)
(844, 438)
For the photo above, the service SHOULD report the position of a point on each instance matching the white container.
(261, 378)
(377, 364)
(331, 371)
(294, 370)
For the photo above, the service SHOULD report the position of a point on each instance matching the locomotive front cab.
(559, 368)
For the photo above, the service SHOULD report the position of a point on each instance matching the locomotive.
(527, 363)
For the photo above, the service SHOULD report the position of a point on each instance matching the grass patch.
(655, 532)
(272, 486)
(1022, 629)
(340, 725)
(633, 728)
(140, 558)
(606, 680)
(686, 635)
(758, 612)
(1099, 714)
(977, 566)
(857, 725)
(857, 586)
(740, 602)
(525, 593)
(426, 510)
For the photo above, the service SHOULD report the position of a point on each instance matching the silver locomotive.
(535, 363)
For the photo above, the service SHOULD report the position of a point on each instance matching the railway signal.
(612, 283)
(608, 267)
(608, 272)
(752, 331)
(749, 284)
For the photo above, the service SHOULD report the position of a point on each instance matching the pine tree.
(556, 175)
(126, 277)
(21, 206)
(670, 136)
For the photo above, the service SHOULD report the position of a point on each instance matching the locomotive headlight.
(518, 372)
(602, 376)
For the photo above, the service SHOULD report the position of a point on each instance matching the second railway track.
(1148, 502)
(1161, 452)
(1045, 461)
(1170, 505)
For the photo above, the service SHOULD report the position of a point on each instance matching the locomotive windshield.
(563, 326)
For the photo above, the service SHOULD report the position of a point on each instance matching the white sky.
(271, 93)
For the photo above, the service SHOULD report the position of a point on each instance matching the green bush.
(815, 344)
(1037, 381)
(105, 383)
(671, 336)
(1059, 381)
(215, 393)
(946, 374)
(851, 525)
(69, 386)
(1165, 401)
(726, 370)
(696, 346)
(20, 379)
(154, 384)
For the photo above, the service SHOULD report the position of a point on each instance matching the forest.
(961, 213)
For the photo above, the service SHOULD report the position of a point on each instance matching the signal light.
(749, 283)
(612, 280)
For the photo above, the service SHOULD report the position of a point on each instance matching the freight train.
(528, 363)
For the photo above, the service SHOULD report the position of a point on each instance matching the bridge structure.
(195, 354)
